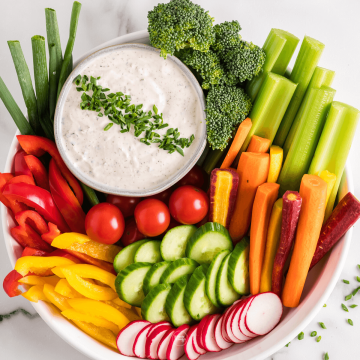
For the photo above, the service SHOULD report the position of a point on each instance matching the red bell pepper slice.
(4, 178)
(29, 251)
(38, 171)
(51, 234)
(33, 219)
(66, 255)
(11, 283)
(37, 198)
(20, 165)
(26, 179)
(37, 146)
(65, 200)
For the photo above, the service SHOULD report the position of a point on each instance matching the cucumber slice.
(211, 275)
(129, 283)
(207, 241)
(177, 269)
(174, 304)
(153, 306)
(148, 252)
(195, 299)
(238, 273)
(126, 256)
(225, 293)
(152, 278)
(173, 244)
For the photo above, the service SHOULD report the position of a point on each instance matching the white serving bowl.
(319, 285)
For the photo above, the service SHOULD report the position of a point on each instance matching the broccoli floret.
(179, 24)
(244, 61)
(227, 37)
(226, 107)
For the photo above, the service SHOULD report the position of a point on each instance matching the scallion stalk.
(90, 194)
(53, 80)
(203, 155)
(212, 159)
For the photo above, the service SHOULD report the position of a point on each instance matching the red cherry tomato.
(194, 177)
(189, 204)
(131, 233)
(126, 204)
(164, 196)
(152, 217)
(104, 223)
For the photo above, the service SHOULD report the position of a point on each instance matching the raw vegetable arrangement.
(211, 261)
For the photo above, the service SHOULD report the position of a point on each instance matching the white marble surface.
(333, 22)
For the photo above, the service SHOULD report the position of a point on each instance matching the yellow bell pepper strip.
(330, 179)
(58, 272)
(34, 294)
(63, 288)
(122, 303)
(272, 243)
(39, 265)
(72, 314)
(83, 244)
(55, 298)
(276, 159)
(39, 280)
(101, 309)
(128, 313)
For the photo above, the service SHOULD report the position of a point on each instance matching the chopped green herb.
(350, 322)
(355, 291)
(353, 306)
(358, 278)
(314, 333)
(318, 339)
(326, 357)
(322, 325)
(348, 297)
(287, 345)
(344, 307)
(346, 281)
(359, 266)
(108, 126)
(301, 336)
(324, 305)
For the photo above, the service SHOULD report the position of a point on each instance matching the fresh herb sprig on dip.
(118, 108)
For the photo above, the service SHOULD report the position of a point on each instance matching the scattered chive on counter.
(346, 281)
(348, 297)
(358, 278)
(353, 306)
(301, 336)
(324, 305)
(326, 357)
(322, 325)
(350, 322)
(313, 334)
(344, 307)
(318, 339)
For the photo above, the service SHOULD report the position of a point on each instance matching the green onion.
(358, 278)
(90, 194)
(313, 334)
(326, 357)
(334, 145)
(355, 291)
(108, 126)
(348, 297)
(350, 322)
(322, 325)
(287, 345)
(353, 306)
(344, 307)
(318, 339)
(15, 112)
(53, 80)
(25, 82)
(279, 47)
(212, 159)
(346, 281)
(301, 336)
(324, 305)
(305, 64)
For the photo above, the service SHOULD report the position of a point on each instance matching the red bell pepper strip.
(38, 171)
(29, 251)
(20, 165)
(33, 219)
(62, 253)
(65, 200)
(37, 146)
(4, 178)
(26, 179)
(37, 198)
(51, 234)
(11, 283)
(26, 236)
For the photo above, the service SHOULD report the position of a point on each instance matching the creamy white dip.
(117, 159)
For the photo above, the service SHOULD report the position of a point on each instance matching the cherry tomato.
(104, 223)
(194, 177)
(189, 204)
(164, 196)
(131, 233)
(126, 204)
(152, 217)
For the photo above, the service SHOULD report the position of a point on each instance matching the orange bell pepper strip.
(55, 298)
(35, 293)
(63, 288)
(39, 280)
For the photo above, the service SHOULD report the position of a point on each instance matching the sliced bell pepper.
(39, 280)
(65, 254)
(67, 239)
(20, 165)
(63, 288)
(129, 313)
(37, 198)
(65, 199)
(35, 293)
(37, 146)
(55, 298)
(38, 171)
(28, 251)
(121, 303)
(4, 178)
(11, 283)
(51, 234)
(26, 179)
(34, 219)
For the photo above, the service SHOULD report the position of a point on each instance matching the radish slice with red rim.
(228, 322)
(208, 334)
(160, 323)
(153, 339)
(264, 313)
(163, 345)
(175, 348)
(220, 341)
(226, 315)
(126, 337)
(199, 331)
(235, 323)
(140, 340)
(242, 326)
(196, 346)
(190, 352)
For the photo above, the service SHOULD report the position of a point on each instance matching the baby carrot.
(258, 144)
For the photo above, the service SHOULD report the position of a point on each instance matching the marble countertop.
(334, 22)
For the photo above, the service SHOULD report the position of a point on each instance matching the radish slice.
(153, 339)
(196, 346)
(226, 315)
(242, 326)
(264, 313)
(220, 341)
(160, 323)
(126, 337)
(139, 343)
(199, 332)
(208, 334)
(228, 322)
(176, 349)
(163, 345)
(235, 323)
(190, 352)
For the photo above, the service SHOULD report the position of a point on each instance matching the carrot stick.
(258, 144)
(272, 243)
(238, 141)
(276, 159)
(265, 198)
(313, 193)
(253, 170)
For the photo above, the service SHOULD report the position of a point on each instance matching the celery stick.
(334, 145)
(305, 64)
(269, 107)
(279, 48)
(306, 139)
(321, 77)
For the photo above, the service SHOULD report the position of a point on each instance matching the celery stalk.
(305, 64)
(306, 139)
(269, 107)
(321, 77)
(334, 145)
(279, 48)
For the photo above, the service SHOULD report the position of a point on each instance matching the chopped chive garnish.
(348, 297)
(355, 291)
(326, 357)
(313, 334)
(318, 339)
(358, 278)
(344, 307)
(322, 325)
(346, 281)
(301, 336)
(350, 322)
(324, 305)
(108, 126)
(353, 306)
(287, 345)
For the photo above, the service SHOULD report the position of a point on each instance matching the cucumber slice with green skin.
(153, 306)
(148, 252)
(173, 244)
(208, 241)
(225, 293)
(152, 278)
(129, 283)
(174, 304)
(238, 273)
(195, 299)
(177, 269)
(211, 275)
(126, 256)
